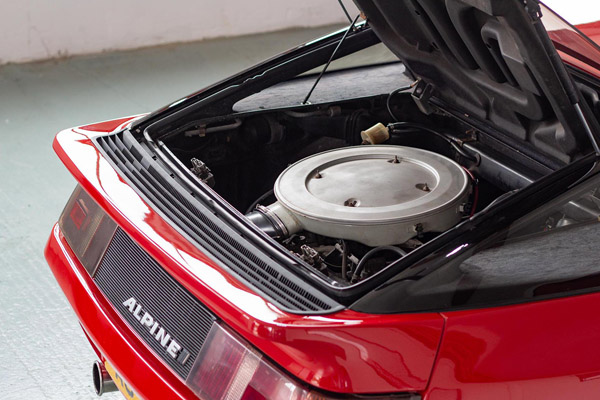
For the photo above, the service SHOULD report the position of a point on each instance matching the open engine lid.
(489, 59)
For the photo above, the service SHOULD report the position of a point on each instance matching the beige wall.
(576, 11)
(40, 29)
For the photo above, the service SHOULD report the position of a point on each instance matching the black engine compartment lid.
(493, 61)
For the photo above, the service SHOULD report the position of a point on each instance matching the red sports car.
(337, 224)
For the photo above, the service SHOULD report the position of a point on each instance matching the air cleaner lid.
(371, 185)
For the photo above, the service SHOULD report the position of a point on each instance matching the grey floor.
(43, 353)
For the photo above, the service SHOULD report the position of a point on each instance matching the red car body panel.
(540, 350)
(577, 52)
(591, 30)
(522, 351)
(345, 352)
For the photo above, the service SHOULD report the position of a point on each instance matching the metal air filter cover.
(376, 195)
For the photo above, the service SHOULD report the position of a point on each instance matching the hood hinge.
(421, 95)
(532, 7)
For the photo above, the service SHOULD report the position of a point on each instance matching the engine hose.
(392, 94)
(475, 183)
(344, 260)
(262, 198)
(398, 126)
(366, 257)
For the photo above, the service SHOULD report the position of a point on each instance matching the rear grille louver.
(126, 271)
(167, 195)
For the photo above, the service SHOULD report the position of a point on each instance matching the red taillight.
(229, 368)
(86, 228)
(78, 214)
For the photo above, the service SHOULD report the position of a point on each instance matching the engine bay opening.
(343, 187)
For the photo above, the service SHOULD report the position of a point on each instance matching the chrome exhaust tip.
(103, 383)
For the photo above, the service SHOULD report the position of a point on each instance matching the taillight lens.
(86, 228)
(229, 368)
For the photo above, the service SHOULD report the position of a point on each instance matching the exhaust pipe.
(103, 383)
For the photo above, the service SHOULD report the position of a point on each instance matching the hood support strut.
(533, 9)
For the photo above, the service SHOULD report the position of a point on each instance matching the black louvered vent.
(167, 195)
(126, 271)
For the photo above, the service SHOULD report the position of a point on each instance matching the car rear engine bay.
(345, 187)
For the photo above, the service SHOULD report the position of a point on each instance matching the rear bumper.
(106, 330)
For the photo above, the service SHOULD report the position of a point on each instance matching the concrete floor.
(43, 352)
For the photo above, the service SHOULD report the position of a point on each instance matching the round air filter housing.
(376, 195)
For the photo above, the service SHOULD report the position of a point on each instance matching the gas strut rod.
(330, 59)
(533, 9)
(345, 11)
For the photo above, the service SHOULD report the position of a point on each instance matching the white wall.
(576, 11)
(40, 29)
